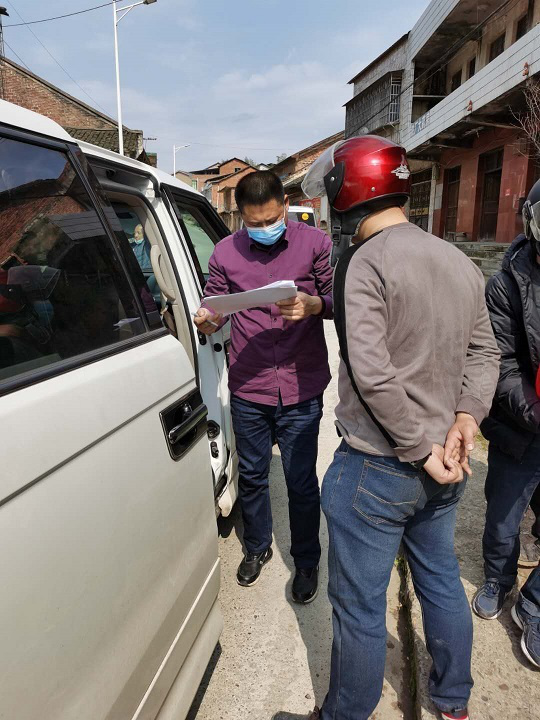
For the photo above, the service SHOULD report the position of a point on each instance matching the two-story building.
(451, 91)
(468, 64)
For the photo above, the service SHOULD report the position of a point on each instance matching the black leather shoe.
(305, 585)
(250, 568)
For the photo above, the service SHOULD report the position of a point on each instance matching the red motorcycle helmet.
(360, 176)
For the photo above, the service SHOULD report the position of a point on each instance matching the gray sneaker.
(489, 600)
(529, 555)
(530, 640)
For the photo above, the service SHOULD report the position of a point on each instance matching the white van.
(116, 443)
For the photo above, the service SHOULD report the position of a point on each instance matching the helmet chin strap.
(343, 228)
(345, 225)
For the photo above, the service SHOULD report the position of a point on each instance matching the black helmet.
(531, 217)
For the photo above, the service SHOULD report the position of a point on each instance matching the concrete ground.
(506, 685)
(274, 654)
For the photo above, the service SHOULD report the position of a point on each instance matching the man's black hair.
(259, 188)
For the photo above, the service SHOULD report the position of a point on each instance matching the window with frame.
(472, 67)
(497, 47)
(455, 81)
(63, 289)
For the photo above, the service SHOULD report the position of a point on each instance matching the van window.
(139, 245)
(63, 291)
(198, 233)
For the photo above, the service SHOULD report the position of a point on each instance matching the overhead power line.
(58, 17)
(19, 58)
(55, 59)
(238, 147)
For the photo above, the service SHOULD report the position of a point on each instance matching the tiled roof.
(108, 138)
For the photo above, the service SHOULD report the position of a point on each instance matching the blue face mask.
(268, 235)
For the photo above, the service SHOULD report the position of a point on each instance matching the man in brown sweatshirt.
(419, 368)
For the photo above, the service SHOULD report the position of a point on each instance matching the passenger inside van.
(140, 245)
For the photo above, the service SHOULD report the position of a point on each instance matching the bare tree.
(529, 120)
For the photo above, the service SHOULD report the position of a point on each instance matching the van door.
(201, 228)
(166, 264)
(107, 527)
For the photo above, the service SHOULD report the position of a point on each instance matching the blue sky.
(236, 78)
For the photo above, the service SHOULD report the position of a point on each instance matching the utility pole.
(118, 14)
(3, 12)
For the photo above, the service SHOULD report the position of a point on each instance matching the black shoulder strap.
(340, 320)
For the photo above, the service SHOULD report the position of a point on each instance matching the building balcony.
(486, 99)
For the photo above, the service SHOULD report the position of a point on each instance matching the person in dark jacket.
(513, 429)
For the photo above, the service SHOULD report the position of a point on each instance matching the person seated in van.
(278, 370)
(141, 249)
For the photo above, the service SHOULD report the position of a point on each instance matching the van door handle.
(191, 419)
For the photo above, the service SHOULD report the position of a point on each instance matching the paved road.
(274, 654)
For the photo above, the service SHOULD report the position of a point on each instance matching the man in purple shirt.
(278, 370)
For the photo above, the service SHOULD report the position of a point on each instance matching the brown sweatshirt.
(420, 343)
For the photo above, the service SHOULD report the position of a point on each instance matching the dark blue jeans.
(372, 504)
(296, 430)
(510, 485)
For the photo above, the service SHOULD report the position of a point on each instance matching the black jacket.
(514, 309)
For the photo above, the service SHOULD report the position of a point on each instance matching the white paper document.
(267, 295)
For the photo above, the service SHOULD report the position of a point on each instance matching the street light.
(176, 148)
(119, 14)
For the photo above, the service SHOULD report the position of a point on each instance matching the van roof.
(161, 176)
(20, 117)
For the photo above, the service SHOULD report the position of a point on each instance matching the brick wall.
(28, 92)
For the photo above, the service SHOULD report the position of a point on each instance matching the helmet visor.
(313, 184)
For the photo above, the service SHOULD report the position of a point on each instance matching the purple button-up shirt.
(270, 356)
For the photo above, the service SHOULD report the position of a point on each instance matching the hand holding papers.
(267, 295)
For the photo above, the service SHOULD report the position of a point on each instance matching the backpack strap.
(340, 320)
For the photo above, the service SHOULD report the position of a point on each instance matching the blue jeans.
(372, 504)
(296, 430)
(510, 485)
